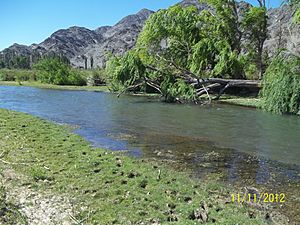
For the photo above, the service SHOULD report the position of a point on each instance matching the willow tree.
(125, 71)
(186, 53)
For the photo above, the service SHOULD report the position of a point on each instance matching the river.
(240, 145)
(224, 135)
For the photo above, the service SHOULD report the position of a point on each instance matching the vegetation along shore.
(46, 163)
(195, 52)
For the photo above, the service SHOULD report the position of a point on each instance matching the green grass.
(57, 87)
(109, 187)
(241, 101)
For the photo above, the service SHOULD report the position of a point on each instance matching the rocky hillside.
(88, 48)
(283, 33)
(116, 39)
(84, 47)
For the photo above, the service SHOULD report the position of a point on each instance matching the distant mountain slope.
(81, 45)
(116, 39)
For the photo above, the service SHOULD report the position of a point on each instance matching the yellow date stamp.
(258, 198)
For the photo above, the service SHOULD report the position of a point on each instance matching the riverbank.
(56, 87)
(241, 101)
(101, 186)
(232, 100)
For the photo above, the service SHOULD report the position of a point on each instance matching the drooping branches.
(184, 54)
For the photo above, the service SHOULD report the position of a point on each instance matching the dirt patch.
(37, 207)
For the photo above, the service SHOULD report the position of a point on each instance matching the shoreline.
(230, 100)
(105, 183)
(54, 87)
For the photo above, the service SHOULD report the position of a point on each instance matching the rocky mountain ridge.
(88, 48)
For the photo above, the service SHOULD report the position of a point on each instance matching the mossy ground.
(109, 187)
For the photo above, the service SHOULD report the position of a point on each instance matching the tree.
(255, 30)
(185, 54)
(21, 62)
(54, 71)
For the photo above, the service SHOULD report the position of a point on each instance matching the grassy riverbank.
(232, 100)
(241, 101)
(107, 187)
(56, 87)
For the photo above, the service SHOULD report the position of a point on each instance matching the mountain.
(283, 32)
(80, 44)
(84, 47)
(116, 39)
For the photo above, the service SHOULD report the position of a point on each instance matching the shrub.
(17, 75)
(95, 77)
(7, 75)
(281, 86)
(55, 71)
(75, 77)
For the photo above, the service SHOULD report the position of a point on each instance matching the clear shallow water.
(244, 146)
(102, 117)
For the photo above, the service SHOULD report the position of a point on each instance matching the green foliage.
(15, 62)
(95, 77)
(254, 27)
(17, 75)
(229, 65)
(297, 16)
(125, 71)
(55, 71)
(177, 89)
(20, 62)
(281, 86)
(297, 13)
(204, 44)
(251, 71)
(180, 44)
(225, 22)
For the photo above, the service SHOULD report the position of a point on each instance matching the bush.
(281, 86)
(75, 77)
(17, 75)
(55, 71)
(7, 75)
(95, 77)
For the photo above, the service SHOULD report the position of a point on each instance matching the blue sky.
(32, 21)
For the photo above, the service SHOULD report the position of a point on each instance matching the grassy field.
(108, 187)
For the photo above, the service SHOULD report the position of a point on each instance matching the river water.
(239, 144)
